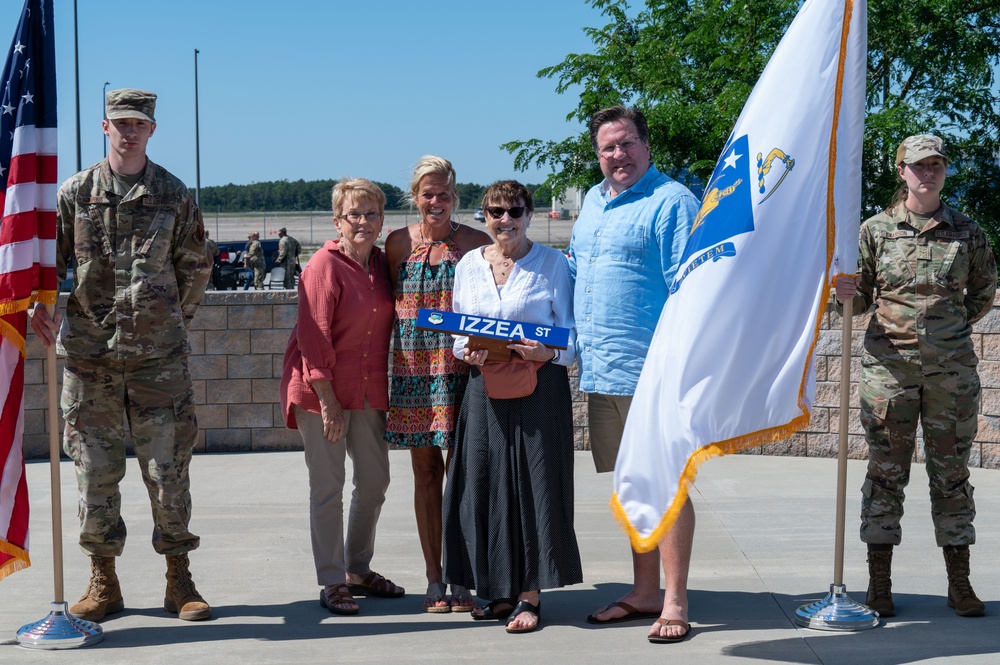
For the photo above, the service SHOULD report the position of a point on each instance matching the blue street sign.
(455, 323)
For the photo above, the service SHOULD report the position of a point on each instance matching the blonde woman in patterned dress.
(427, 380)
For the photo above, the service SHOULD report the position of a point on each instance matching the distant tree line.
(303, 195)
(284, 196)
(471, 195)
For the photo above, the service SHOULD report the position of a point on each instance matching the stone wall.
(821, 437)
(239, 338)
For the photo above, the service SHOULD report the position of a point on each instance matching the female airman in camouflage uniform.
(930, 273)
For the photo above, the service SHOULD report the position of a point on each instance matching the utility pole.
(104, 101)
(76, 66)
(197, 146)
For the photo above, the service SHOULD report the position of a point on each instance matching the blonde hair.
(433, 165)
(362, 190)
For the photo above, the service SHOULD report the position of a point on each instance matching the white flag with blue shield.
(730, 364)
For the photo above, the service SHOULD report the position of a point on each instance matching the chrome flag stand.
(60, 629)
(837, 611)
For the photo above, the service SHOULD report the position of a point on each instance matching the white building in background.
(568, 205)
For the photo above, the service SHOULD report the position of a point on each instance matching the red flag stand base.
(836, 612)
(59, 630)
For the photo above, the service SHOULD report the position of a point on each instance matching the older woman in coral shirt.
(334, 390)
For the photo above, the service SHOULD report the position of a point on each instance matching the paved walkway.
(763, 547)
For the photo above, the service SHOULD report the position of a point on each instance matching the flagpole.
(60, 629)
(845, 405)
(838, 611)
(51, 378)
(35, 123)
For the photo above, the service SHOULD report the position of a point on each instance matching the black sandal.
(522, 607)
(490, 611)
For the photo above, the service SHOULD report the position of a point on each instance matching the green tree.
(470, 195)
(541, 195)
(691, 64)
(395, 198)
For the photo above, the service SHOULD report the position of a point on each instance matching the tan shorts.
(606, 416)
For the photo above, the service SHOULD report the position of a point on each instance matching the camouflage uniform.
(288, 257)
(255, 260)
(212, 251)
(928, 285)
(141, 268)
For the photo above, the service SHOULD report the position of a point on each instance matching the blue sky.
(317, 89)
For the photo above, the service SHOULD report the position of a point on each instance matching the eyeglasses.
(608, 151)
(357, 217)
(497, 212)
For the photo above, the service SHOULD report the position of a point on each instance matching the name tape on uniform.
(455, 323)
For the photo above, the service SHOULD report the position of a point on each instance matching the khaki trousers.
(606, 416)
(333, 553)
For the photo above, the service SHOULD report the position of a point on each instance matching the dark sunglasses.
(497, 212)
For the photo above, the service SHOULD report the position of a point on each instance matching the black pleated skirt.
(508, 504)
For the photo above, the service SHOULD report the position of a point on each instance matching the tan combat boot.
(181, 597)
(960, 593)
(104, 595)
(879, 596)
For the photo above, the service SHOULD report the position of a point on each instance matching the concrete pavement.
(763, 547)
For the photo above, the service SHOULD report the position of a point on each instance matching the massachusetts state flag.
(27, 246)
(730, 364)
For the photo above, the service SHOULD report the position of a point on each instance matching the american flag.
(27, 246)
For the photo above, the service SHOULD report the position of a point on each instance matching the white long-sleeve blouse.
(538, 290)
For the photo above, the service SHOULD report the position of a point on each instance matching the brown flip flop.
(658, 639)
(631, 614)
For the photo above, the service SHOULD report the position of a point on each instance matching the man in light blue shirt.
(624, 252)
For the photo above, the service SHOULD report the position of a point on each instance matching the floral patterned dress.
(427, 382)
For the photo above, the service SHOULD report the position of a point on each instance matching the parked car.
(228, 272)
(478, 215)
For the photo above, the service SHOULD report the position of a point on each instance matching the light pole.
(197, 146)
(76, 67)
(104, 101)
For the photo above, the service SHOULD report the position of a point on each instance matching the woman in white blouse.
(508, 505)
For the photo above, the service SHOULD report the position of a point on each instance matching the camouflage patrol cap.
(920, 146)
(283, 230)
(130, 103)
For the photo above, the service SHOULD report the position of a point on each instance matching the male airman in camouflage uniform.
(288, 256)
(212, 251)
(930, 273)
(137, 240)
(253, 259)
